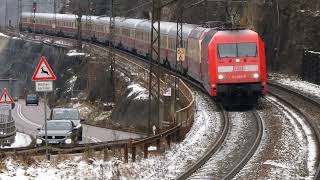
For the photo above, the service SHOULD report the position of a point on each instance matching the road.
(29, 118)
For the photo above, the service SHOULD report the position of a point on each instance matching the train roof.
(186, 30)
(197, 32)
(235, 32)
(68, 17)
(132, 23)
(144, 25)
(230, 36)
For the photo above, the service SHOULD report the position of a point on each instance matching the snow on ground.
(73, 168)
(310, 12)
(204, 131)
(21, 140)
(298, 84)
(308, 145)
(139, 91)
(71, 83)
(84, 108)
(74, 52)
(60, 42)
(3, 35)
(287, 149)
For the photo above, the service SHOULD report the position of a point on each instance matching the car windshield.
(237, 50)
(71, 114)
(31, 97)
(57, 125)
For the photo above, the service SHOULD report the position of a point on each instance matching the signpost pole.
(44, 77)
(45, 124)
(10, 89)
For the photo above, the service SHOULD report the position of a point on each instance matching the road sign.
(5, 98)
(43, 71)
(5, 107)
(181, 54)
(44, 86)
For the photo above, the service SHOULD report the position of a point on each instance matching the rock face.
(132, 110)
(287, 27)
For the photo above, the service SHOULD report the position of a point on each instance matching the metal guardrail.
(7, 130)
(311, 66)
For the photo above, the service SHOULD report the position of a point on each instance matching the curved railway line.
(204, 167)
(275, 90)
(306, 111)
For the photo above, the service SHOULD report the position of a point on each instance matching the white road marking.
(23, 118)
(94, 139)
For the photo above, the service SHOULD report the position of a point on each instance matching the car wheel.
(26, 104)
(37, 104)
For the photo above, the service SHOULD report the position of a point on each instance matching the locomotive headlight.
(220, 76)
(256, 75)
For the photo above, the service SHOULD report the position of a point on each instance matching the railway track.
(205, 168)
(307, 106)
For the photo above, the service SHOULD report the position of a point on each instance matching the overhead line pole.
(179, 44)
(6, 16)
(111, 50)
(154, 55)
(19, 25)
(79, 26)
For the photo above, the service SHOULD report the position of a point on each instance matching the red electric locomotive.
(236, 66)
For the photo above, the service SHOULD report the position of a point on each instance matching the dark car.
(68, 114)
(59, 132)
(32, 99)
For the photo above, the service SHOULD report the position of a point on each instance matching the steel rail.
(308, 119)
(304, 96)
(214, 148)
(252, 150)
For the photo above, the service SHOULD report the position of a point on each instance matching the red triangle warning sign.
(5, 98)
(43, 71)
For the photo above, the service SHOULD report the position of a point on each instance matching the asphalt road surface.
(29, 118)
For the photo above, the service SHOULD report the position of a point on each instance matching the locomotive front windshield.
(237, 50)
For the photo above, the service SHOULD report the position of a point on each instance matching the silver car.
(71, 114)
(62, 132)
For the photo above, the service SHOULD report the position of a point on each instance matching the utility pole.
(89, 20)
(6, 16)
(154, 55)
(54, 25)
(79, 24)
(179, 44)
(205, 12)
(34, 8)
(111, 50)
(19, 25)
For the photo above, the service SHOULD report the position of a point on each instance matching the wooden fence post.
(169, 141)
(126, 153)
(133, 151)
(145, 150)
(158, 144)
